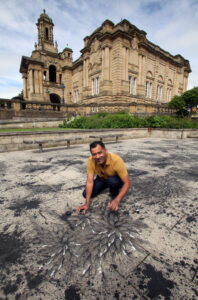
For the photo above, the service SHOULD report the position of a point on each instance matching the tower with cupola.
(45, 34)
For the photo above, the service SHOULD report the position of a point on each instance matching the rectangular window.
(92, 87)
(158, 91)
(146, 93)
(130, 79)
(76, 96)
(134, 86)
(44, 75)
(167, 94)
(97, 85)
(150, 90)
(170, 94)
(161, 92)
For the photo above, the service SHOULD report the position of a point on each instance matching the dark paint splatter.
(158, 285)
(10, 288)
(66, 215)
(18, 207)
(33, 281)
(116, 295)
(190, 219)
(10, 248)
(72, 293)
(32, 169)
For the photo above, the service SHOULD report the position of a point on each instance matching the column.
(140, 69)
(40, 81)
(107, 64)
(103, 57)
(143, 69)
(127, 64)
(25, 86)
(31, 79)
(124, 63)
(36, 81)
(87, 78)
(84, 80)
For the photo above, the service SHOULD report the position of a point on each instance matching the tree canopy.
(191, 97)
(187, 100)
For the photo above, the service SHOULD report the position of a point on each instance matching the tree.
(188, 99)
(180, 105)
(191, 97)
(20, 94)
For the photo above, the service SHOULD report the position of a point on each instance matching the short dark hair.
(94, 145)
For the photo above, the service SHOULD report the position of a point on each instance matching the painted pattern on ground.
(148, 250)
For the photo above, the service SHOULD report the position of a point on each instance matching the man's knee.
(84, 193)
(114, 181)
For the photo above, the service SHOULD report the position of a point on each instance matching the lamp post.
(63, 87)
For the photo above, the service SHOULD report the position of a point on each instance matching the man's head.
(98, 152)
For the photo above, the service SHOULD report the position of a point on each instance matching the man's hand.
(80, 208)
(113, 205)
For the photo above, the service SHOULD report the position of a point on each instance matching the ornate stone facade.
(117, 64)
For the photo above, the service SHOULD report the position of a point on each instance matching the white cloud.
(171, 24)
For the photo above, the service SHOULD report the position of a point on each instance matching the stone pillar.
(141, 88)
(85, 72)
(16, 106)
(25, 86)
(106, 64)
(31, 79)
(36, 81)
(47, 75)
(124, 63)
(84, 62)
(103, 58)
(185, 81)
(40, 82)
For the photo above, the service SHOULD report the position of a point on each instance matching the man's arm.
(89, 189)
(113, 205)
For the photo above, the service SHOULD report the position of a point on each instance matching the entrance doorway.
(55, 99)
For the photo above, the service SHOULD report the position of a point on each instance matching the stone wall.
(14, 141)
(11, 109)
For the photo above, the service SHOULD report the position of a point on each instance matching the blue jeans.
(114, 183)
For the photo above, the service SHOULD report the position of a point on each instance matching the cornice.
(165, 55)
(25, 61)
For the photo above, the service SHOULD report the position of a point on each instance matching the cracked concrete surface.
(149, 250)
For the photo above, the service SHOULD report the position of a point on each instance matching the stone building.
(117, 64)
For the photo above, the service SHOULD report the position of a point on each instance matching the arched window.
(149, 74)
(52, 73)
(46, 33)
(160, 88)
(132, 85)
(149, 85)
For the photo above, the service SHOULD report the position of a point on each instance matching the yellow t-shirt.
(114, 165)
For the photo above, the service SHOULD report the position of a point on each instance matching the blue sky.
(171, 24)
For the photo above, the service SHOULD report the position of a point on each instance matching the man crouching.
(111, 172)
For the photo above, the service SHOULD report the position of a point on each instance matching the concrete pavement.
(149, 250)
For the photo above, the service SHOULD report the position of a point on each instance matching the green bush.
(125, 120)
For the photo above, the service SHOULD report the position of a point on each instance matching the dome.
(45, 17)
